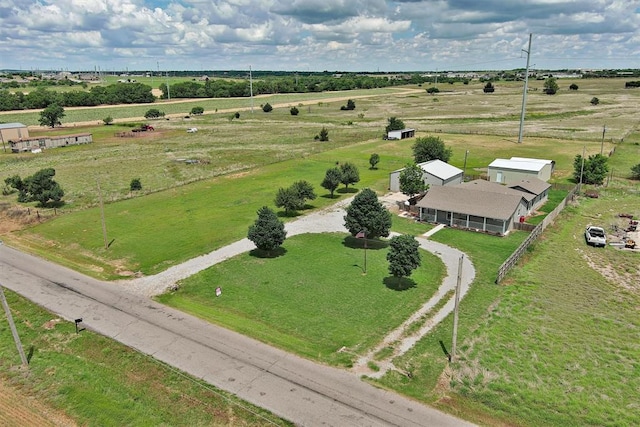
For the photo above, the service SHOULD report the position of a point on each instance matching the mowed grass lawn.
(312, 300)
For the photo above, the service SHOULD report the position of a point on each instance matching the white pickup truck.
(595, 236)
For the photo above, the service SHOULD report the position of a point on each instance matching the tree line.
(119, 93)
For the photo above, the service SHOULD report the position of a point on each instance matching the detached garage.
(515, 169)
(436, 174)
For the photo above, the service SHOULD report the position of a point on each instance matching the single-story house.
(12, 131)
(535, 190)
(515, 169)
(480, 205)
(43, 142)
(436, 173)
(401, 134)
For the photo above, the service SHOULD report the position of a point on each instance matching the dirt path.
(327, 220)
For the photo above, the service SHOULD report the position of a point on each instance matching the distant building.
(401, 134)
(12, 131)
(436, 173)
(44, 142)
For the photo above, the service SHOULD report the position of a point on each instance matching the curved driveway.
(294, 388)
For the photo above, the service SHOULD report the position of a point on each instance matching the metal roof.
(440, 169)
(532, 185)
(11, 125)
(523, 165)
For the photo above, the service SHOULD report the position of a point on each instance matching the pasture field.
(88, 380)
(554, 345)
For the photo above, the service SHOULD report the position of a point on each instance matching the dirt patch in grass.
(17, 409)
(627, 279)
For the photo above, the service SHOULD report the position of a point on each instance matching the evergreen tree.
(268, 232)
(349, 174)
(367, 214)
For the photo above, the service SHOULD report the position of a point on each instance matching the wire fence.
(535, 233)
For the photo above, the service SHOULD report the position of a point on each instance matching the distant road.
(293, 388)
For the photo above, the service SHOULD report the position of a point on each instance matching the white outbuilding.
(436, 174)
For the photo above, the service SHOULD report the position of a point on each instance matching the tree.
(374, 160)
(394, 123)
(332, 179)
(594, 171)
(153, 113)
(135, 185)
(108, 120)
(403, 255)
(351, 105)
(433, 90)
(550, 86)
(323, 136)
(304, 190)
(51, 116)
(594, 101)
(268, 232)
(573, 86)
(288, 199)
(635, 171)
(430, 148)
(411, 180)
(366, 213)
(267, 108)
(39, 187)
(489, 88)
(196, 111)
(349, 174)
(294, 111)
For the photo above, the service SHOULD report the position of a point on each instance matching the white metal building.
(436, 174)
(515, 169)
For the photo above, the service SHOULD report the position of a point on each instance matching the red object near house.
(521, 219)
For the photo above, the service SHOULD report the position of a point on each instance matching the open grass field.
(86, 379)
(556, 345)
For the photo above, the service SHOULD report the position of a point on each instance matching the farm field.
(548, 332)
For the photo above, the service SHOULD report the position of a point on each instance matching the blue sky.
(318, 35)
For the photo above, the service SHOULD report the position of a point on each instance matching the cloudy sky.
(318, 35)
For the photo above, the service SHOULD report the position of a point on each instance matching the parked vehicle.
(143, 128)
(192, 130)
(595, 236)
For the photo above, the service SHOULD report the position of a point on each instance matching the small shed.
(436, 173)
(401, 134)
(515, 169)
(12, 131)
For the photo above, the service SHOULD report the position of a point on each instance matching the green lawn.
(312, 300)
(99, 382)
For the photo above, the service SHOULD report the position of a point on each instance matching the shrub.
(594, 101)
(135, 185)
(294, 111)
(153, 113)
(196, 111)
(267, 108)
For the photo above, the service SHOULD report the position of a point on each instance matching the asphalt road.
(296, 389)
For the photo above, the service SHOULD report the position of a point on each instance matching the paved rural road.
(296, 389)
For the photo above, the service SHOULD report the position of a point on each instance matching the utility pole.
(455, 311)
(581, 169)
(12, 325)
(604, 130)
(168, 90)
(104, 225)
(464, 168)
(251, 88)
(524, 92)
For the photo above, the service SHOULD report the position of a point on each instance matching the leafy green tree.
(351, 105)
(374, 160)
(332, 179)
(430, 148)
(304, 190)
(433, 90)
(635, 171)
(573, 86)
(550, 86)
(349, 174)
(135, 185)
(268, 232)
(15, 183)
(594, 101)
(594, 171)
(51, 116)
(196, 111)
(108, 120)
(267, 108)
(366, 213)
(411, 180)
(394, 123)
(403, 255)
(288, 199)
(153, 113)
(39, 187)
(294, 111)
